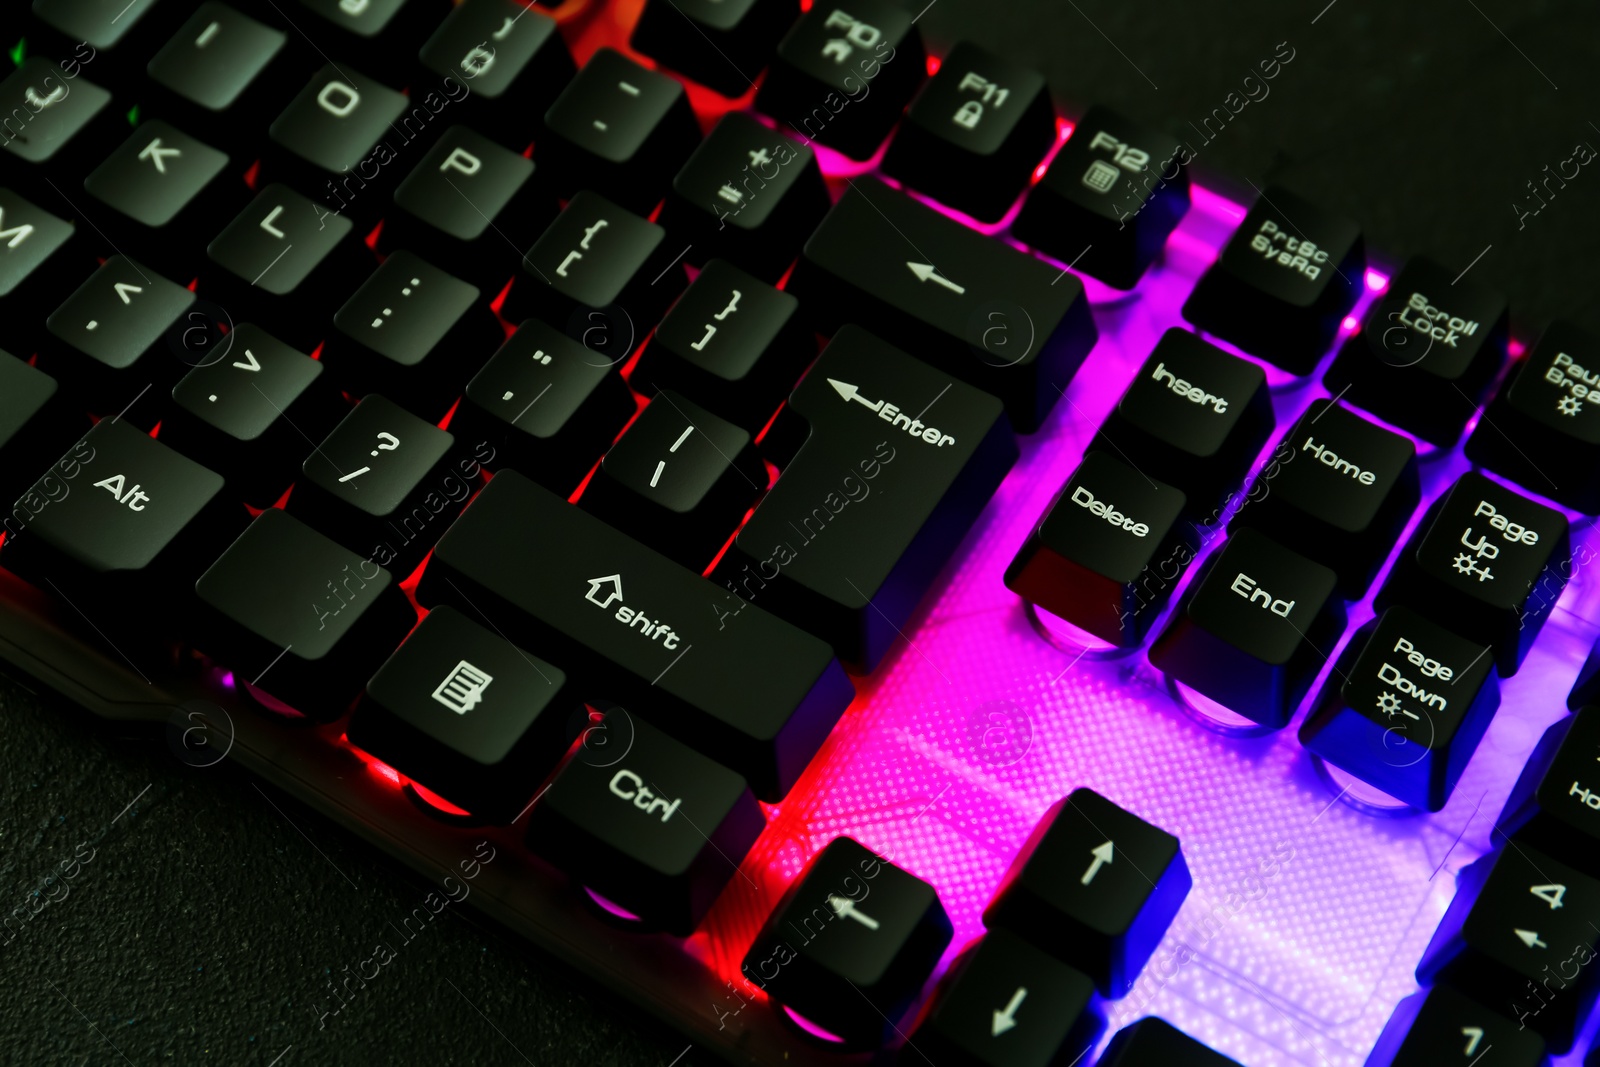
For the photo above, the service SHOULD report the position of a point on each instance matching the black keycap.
(841, 78)
(55, 109)
(1194, 417)
(719, 44)
(512, 59)
(252, 412)
(748, 194)
(973, 136)
(1586, 688)
(1006, 1003)
(1405, 708)
(297, 616)
(655, 828)
(1337, 490)
(217, 58)
(134, 521)
(332, 140)
(1284, 282)
(1108, 551)
(470, 206)
(36, 419)
(1488, 563)
(467, 714)
(973, 306)
(1440, 1026)
(620, 130)
(753, 693)
(864, 516)
(1111, 198)
(1254, 629)
(40, 257)
(852, 919)
(1426, 353)
(735, 344)
(1542, 430)
(549, 405)
(99, 23)
(600, 273)
(415, 332)
(384, 483)
(381, 25)
(109, 338)
(1520, 919)
(1555, 805)
(1095, 886)
(680, 479)
(1153, 1042)
(288, 261)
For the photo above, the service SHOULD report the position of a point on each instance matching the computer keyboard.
(889, 573)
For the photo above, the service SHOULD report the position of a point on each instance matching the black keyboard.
(862, 565)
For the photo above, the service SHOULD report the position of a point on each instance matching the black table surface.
(212, 914)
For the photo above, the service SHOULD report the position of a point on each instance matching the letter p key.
(462, 160)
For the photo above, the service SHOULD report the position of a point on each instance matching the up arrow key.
(156, 154)
(1102, 855)
(124, 288)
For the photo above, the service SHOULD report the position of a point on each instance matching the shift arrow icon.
(927, 272)
(1102, 856)
(1007, 1019)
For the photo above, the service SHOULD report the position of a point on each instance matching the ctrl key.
(657, 831)
(850, 944)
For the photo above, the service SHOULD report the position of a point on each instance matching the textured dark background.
(208, 921)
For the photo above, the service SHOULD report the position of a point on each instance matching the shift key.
(747, 689)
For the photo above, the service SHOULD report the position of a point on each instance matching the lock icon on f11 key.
(968, 114)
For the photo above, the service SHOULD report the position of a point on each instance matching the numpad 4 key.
(898, 574)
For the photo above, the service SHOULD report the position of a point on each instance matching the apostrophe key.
(414, 331)
(1439, 1025)
(297, 617)
(657, 831)
(1339, 490)
(244, 409)
(1555, 805)
(735, 344)
(1006, 1003)
(1194, 417)
(841, 78)
(1488, 563)
(600, 273)
(385, 484)
(36, 419)
(1405, 708)
(1520, 918)
(752, 692)
(850, 944)
(1108, 552)
(974, 134)
(1095, 886)
(1111, 198)
(111, 340)
(121, 519)
(619, 130)
(749, 194)
(547, 404)
(995, 317)
(1154, 1042)
(470, 206)
(468, 715)
(680, 478)
(510, 57)
(1253, 630)
(1284, 282)
(720, 44)
(1542, 430)
(899, 462)
(288, 261)
(1426, 353)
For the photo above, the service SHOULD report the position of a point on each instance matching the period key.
(1095, 886)
(1488, 562)
(1108, 552)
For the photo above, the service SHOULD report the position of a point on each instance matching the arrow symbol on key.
(1102, 856)
(848, 391)
(123, 289)
(1529, 938)
(1007, 1019)
(927, 272)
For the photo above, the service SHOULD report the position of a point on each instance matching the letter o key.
(350, 98)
